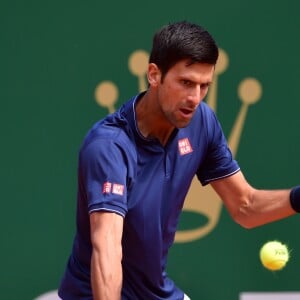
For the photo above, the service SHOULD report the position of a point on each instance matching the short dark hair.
(182, 40)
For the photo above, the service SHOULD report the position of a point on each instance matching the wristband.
(295, 198)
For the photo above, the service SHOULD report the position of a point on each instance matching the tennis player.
(136, 166)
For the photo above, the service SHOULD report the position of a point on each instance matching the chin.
(182, 124)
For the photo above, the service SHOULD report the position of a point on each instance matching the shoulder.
(105, 137)
(205, 119)
(117, 126)
(110, 137)
(206, 112)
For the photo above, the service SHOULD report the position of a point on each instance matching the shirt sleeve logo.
(106, 189)
(184, 146)
(113, 188)
(118, 189)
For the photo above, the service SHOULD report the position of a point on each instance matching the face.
(181, 91)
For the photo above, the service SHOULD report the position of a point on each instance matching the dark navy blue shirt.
(146, 183)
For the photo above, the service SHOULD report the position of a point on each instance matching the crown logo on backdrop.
(200, 200)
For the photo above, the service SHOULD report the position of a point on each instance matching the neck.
(151, 121)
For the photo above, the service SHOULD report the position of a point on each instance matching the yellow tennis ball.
(274, 255)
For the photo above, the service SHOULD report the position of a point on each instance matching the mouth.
(186, 112)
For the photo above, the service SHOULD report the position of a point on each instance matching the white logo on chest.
(184, 146)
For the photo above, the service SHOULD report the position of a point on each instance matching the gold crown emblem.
(249, 92)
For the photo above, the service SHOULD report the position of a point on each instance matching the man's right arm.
(106, 267)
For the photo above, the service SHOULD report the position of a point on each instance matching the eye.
(205, 85)
(186, 82)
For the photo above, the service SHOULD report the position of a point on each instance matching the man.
(135, 169)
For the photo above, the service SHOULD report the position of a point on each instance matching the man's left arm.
(252, 207)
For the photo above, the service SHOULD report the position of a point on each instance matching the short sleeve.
(103, 175)
(218, 162)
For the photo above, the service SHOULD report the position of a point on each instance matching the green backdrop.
(53, 54)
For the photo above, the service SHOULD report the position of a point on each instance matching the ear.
(153, 74)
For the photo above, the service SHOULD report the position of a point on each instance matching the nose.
(195, 95)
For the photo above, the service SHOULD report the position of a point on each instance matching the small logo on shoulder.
(113, 188)
(184, 146)
(106, 189)
(118, 189)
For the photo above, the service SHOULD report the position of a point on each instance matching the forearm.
(106, 276)
(252, 207)
(264, 206)
(106, 266)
